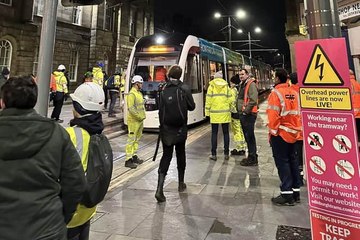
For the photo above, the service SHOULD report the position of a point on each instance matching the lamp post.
(283, 59)
(240, 14)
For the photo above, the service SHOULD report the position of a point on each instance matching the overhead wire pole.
(229, 30)
(47, 42)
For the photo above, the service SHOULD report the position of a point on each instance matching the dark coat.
(41, 180)
(174, 134)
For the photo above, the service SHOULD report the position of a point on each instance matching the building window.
(73, 66)
(6, 2)
(36, 62)
(133, 17)
(38, 7)
(146, 25)
(5, 54)
(109, 17)
(77, 15)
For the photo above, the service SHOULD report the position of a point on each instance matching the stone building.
(84, 35)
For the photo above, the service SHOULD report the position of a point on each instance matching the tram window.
(192, 73)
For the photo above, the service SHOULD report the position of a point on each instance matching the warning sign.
(325, 98)
(315, 141)
(317, 165)
(320, 70)
(330, 227)
(344, 169)
(342, 144)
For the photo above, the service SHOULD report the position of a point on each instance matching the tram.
(200, 59)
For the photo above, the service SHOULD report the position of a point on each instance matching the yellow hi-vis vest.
(98, 76)
(136, 105)
(61, 82)
(81, 139)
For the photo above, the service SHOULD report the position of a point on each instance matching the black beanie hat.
(5, 71)
(293, 78)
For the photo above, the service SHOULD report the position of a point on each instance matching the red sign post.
(330, 139)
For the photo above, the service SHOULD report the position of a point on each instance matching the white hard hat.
(61, 67)
(90, 96)
(137, 78)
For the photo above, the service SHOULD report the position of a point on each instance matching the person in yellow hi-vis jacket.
(88, 101)
(98, 75)
(61, 90)
(235, 125)
(135, 119)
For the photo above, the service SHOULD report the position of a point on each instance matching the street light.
(283, 59)
(256, 30)
(240, 14)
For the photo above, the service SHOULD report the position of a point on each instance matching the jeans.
(286, 163)
(167, 156)
(248, 126)
(113, 97)
(214, 133)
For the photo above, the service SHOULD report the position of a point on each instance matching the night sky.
(196, 17)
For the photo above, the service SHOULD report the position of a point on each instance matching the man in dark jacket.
(175, 100)
(42, 179)
(4, 76)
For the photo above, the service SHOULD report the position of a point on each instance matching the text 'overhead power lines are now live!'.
(331, 152)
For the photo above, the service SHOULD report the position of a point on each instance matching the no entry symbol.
(315, 140)
(344, 169)
(317, 165)
(342, 144)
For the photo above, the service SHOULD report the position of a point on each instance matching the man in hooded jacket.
(173, 133)
(42, 179)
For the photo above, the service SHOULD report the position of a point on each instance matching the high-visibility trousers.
(135, 129)
(237, 134)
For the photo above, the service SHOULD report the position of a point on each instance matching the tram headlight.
(160, 40)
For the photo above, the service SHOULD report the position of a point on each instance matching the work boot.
(236, 152)
(213, 157)
(159, 195)
(296, 196)
(137, 160)
(249, 161)
(182, 185)
(283, 200)
(130, 163)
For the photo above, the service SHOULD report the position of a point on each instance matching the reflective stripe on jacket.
(248, 97)
(81, 139)
(283, 113)
(355, 95)
(135, 105)
(296, 88)
(61, 82)
(219, 102)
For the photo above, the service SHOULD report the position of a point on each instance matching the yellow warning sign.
(320, 70)
(325, 98)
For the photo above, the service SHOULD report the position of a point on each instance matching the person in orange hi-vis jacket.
(284, 128)
(355, 98)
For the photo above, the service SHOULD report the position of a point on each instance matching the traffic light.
(72, 3)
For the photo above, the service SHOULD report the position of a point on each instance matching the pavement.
(224, 200)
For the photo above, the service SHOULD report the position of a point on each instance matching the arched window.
(5, 54)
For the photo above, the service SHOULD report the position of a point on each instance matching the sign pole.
(47, 42)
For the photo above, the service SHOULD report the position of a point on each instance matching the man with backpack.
(175, 100)
(42, 180)
(113, 86)
(95, 153)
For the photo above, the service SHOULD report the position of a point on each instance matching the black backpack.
(99, 170)
(174, 108)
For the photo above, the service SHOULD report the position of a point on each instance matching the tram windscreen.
(153, 69)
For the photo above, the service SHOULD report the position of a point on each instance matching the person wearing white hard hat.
(61, 90)
(136, 117)
(88, 101)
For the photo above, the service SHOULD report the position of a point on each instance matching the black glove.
(66, 96)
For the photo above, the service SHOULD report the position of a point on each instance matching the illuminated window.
(6, 2)
(73, 66)
(5, 54)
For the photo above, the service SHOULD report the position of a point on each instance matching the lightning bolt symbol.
(321, 66)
